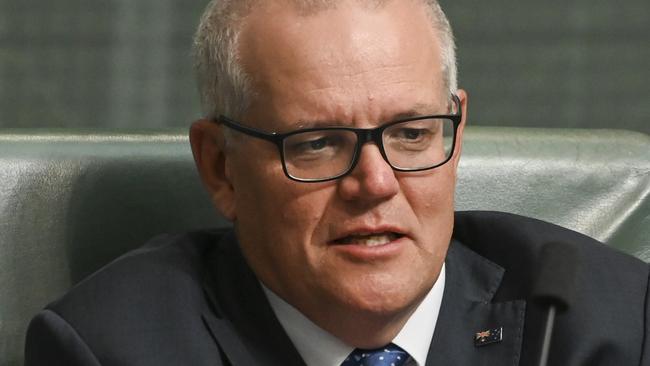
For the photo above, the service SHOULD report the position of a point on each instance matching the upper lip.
(369, 230)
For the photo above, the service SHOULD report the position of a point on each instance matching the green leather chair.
(71, 201)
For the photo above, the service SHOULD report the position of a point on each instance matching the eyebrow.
(419, 109)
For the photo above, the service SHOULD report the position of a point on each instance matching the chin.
(384, 308)
(383, 300)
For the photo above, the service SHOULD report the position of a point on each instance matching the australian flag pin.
(489, 336)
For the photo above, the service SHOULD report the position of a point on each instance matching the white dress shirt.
(319, 348)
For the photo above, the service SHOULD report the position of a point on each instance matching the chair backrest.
(72, 201)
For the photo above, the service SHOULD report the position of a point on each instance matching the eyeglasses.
(322, 154)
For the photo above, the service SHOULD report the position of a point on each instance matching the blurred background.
(125, 64)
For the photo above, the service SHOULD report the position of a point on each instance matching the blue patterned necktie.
(391, 355)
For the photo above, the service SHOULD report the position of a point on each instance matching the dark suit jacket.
(192, 300)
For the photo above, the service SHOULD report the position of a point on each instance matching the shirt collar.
(317, 347)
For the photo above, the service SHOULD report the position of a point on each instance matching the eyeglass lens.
(410, 145)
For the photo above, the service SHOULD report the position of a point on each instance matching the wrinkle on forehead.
(349, 31)
(342, 59)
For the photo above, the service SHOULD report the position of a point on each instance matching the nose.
(372, 179)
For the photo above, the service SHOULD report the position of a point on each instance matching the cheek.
(271, 207)
(297, 205)
(432, 201)
(257, 182)
(278, 228)
(431, 194)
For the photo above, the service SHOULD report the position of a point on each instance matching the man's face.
(372, 242)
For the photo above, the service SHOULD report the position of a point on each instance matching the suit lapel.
(467, 310)
(240, 318)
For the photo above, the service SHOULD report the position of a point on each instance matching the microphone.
(555, 285)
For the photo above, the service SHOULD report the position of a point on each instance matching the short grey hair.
(224, 86)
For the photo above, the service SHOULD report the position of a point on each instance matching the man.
(332, 138)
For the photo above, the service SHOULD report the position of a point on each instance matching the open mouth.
(370, 240)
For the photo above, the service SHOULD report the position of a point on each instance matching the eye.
(412, 133)
(411, 136)
(309, 145)
(318, 144)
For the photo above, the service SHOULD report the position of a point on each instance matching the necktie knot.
(391, 355)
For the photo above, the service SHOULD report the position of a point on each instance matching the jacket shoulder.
(146, 305)
(165, 265)
(515, 242)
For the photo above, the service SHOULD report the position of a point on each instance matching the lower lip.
(371, 253)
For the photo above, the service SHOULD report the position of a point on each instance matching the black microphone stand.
(548, 332)
(555, 286)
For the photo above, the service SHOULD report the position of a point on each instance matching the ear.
(462, 95)
(209, 150)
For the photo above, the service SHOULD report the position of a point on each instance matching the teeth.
(369, 240)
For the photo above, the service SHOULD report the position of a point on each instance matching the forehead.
(348, 62)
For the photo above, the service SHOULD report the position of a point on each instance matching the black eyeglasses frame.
(364, 135)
